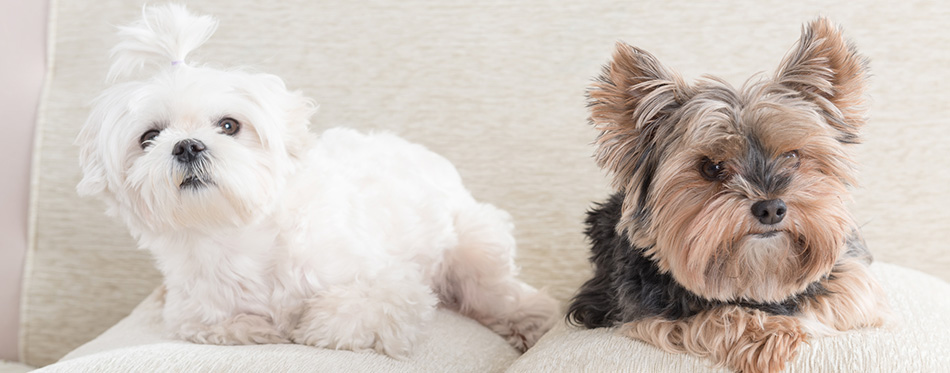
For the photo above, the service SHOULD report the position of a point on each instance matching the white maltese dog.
(266, 233)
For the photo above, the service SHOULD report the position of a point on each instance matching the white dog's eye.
(147, 137)
(229, 126)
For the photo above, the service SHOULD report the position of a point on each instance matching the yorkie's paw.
(766, 346)
(533, 318)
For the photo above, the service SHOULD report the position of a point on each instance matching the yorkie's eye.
(712, 171)
(146, 140)
(229, 126)
(792, 158)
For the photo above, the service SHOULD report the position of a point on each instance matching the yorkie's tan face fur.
(738, 193)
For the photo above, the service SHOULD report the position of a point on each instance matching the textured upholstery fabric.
(452, 343)
(11, 367)
(498, 88)
(916, 342)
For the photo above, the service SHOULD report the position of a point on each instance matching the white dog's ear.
(93, 181)
(291, 108)
(162, 38)
(299, 111)
(93, 145)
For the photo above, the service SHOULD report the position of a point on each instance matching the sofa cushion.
(452, 343)
(497, 88)
(916, 342)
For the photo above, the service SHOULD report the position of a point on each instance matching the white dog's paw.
(386, 318)
(534, 316)
(238, 330)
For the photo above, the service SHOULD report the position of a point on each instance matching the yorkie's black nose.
(769, 212)
(186, 151)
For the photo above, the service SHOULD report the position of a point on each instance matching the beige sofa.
(498, 88)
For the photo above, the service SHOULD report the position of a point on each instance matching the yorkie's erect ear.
(827, 70)
(628, 104)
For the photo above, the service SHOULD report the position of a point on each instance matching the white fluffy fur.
(345, 240)
(163, 36)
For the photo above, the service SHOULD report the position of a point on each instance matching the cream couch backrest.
(498, 88)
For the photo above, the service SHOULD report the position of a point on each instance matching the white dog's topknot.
(163, 38)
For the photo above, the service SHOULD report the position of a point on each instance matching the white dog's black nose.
(770, 212)
(186, 151)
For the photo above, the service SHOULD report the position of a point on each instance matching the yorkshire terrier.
(729, 236)
(266, 233)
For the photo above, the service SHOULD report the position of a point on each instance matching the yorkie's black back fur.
(628, 286)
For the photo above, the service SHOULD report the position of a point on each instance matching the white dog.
(266, 233)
